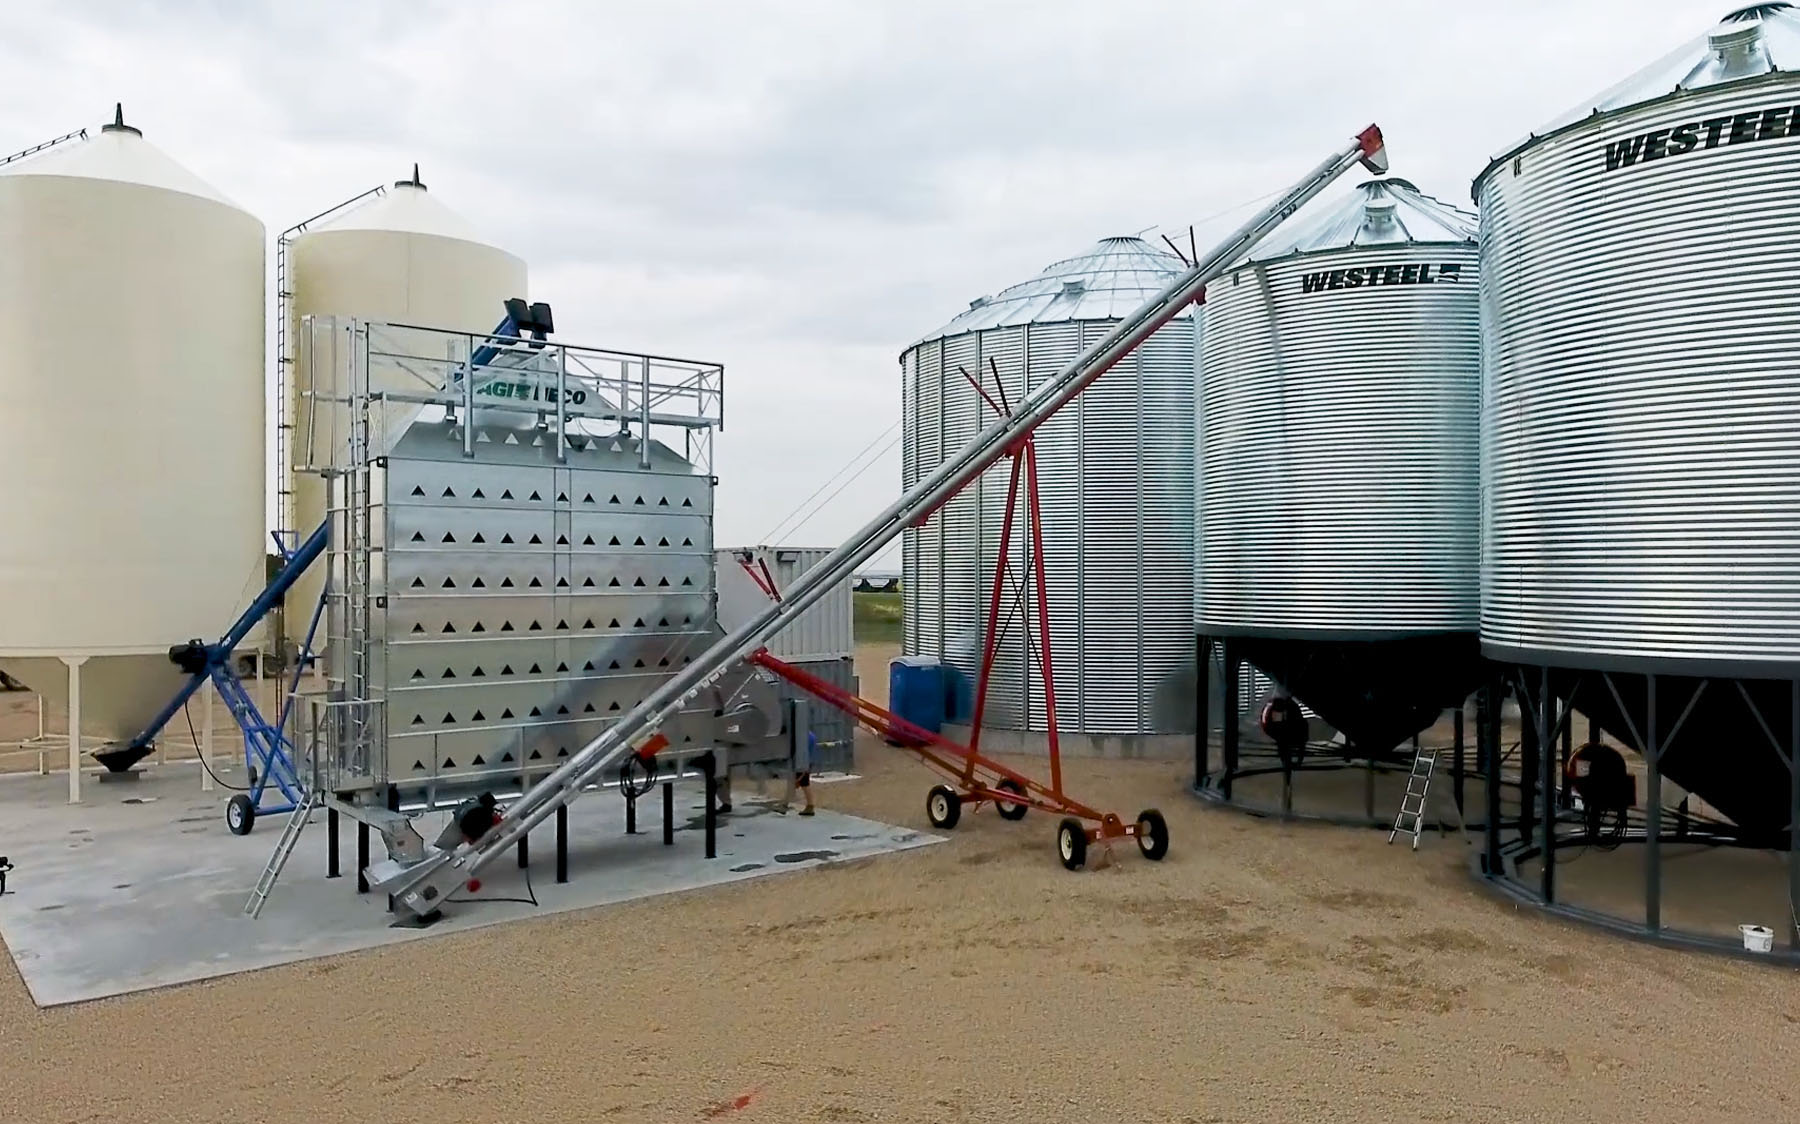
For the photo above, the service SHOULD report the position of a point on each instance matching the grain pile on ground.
(1261, 973)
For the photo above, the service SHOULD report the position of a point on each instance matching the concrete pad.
(142, 885)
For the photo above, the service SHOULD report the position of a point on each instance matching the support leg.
(331, 843)
(1228, 721)
(562, 843)
(1568, 751)
(362, 857)
(1652, 812)
(74, 663)
(1458, 761)
(1793, 859)
(1528, 760)
(1487, 747)
(393, 805)
(669, 812)
(524, 850)
(710, 764)
(1202, 704)
(1547, 785)
(630, 814)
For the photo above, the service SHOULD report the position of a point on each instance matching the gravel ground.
(1261, 973)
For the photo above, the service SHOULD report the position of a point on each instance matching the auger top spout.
(423, 889)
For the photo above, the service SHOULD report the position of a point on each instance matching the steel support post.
(362, 857)
(74, 664)
(630, 813)
(1568, 751)
(468, 419)
(1202, 707)
(1458, 760)
(392, 797)
(562, 844)
(1228, 721)
(1487, 747)
(524, 850)
(1528, 761)
(1547, 787)
(331, 843)
(669, 813)
(710, 764)
(1793, 861)
(1652, 812)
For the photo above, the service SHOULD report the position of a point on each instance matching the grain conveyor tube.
(423, 888)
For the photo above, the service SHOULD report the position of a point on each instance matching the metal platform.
(165, 905)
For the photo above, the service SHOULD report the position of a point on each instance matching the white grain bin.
(1337, 487)
(131, 420)
(1116, 486)
(1641, 403)
(402, 257)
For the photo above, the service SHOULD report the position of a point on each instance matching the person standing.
(800, 773)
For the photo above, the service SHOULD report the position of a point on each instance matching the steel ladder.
(1412, 805)
(284, 848)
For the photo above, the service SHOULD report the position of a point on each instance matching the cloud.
(799, 189)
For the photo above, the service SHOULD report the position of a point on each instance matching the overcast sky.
(797, 190)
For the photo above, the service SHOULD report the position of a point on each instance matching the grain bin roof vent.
(1738, 48)
(1378, 213)
(118, 125)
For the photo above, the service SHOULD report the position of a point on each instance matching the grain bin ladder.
(1411, 819)
(421, 889)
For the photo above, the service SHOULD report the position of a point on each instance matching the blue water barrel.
(916, 691)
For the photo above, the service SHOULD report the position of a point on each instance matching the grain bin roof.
(1750, 42)
(1111, 280)
(117, 152)
(1382, 212)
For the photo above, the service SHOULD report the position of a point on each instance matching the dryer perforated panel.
(528, 604)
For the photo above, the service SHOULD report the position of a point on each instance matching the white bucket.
(1757, 938)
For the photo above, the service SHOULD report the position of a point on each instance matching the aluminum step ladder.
(284, 849)
(1418, 785)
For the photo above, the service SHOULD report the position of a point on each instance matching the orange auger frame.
(980, 780)
(977, 779)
